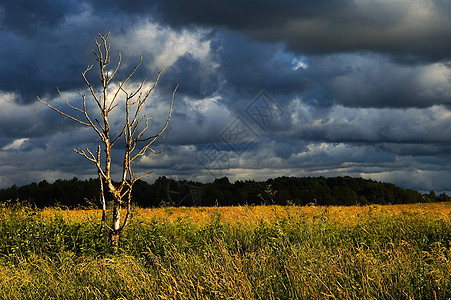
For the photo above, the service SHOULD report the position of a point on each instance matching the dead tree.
(133, 132)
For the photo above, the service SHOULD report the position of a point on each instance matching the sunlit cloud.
(15, 145)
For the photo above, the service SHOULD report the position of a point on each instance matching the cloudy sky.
(266, 88)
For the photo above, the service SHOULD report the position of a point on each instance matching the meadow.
(241, 252)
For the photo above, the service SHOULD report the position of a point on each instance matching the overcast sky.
(267, 88)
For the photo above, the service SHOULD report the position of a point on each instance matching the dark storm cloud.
(233, 14)
(35, 64)
(419, 29)
(47, 45)
(370, 80)
(370, 125)
(242, 15)
(436, 151)
(18, 121)
(408, 30)
(25, 17)
(36, 58)
(252, 67)
(201, 85)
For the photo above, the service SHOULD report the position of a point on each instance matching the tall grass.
(267, 252)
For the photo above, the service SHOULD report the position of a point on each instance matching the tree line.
(75, 193)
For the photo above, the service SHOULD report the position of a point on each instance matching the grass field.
(246, 252)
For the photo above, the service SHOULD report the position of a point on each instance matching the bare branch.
(169, 115)
(64, 114)
(117, 68)
(141, 133)
(142, 175)
(93, 159)
(91, 88)
(120, 88)
(67, 102)
(118, 136)
(155, 83)
(83, 153)
(141, 101)
(100, 125)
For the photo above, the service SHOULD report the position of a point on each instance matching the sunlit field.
(244, 252)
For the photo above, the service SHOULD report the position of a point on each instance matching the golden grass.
(232, 215)
(242, 252)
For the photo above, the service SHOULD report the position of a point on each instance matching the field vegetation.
(241, 252)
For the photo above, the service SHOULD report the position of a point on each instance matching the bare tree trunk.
(115, 232)
(102, 195)
(103, 203)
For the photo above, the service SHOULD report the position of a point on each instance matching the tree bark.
(115, 233)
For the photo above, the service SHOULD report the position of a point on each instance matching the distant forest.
(346, 190)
